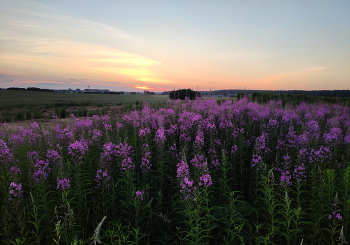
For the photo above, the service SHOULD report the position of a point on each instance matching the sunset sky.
(165, 45)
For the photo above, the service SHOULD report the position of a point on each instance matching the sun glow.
(142, 87)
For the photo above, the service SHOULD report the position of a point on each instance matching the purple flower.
(143, 132)
(234, 149)
(15, 170)
(32, 156)
(186, 184)
(200, 162)
(78, 149)
(53, 156)
(160, 136)
(347, 138)
(260, 143)
(146, 158)
(107, 126)
(63, 184)
(96, 134)
(182, 170)
(333, 137)
(273, 123)
(102, 177)
(125, 153)
(119, 125)
(139, 195)
(257, 162)
(286, 178)
(35, 125)
(335, 215)
(205, 180)
(5, 152)
(299, 172)
(41, 171)
(15, 191)
(338, 216)
(199, 140)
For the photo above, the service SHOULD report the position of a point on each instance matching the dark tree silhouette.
(183, 94)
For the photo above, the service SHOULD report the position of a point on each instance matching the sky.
(166, 45)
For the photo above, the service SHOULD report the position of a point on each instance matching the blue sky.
(162, 45)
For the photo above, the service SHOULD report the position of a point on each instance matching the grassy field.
(13, 98)
(27, 105)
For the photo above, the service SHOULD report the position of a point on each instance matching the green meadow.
(14, 98)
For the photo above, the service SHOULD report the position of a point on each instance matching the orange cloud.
(155, 80)
(142, 87)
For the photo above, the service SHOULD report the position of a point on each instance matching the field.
(180, 172)
(17, 105)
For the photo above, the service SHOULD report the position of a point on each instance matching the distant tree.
(241, 95)
(14, 88)
(148, 92)
(182, 94)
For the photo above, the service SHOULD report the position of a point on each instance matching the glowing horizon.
(128, 46)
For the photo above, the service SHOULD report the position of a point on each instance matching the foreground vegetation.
(196, 172)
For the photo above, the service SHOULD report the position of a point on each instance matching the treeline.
(32, 89)
(293, 99)
(234, 92)
(104, 92)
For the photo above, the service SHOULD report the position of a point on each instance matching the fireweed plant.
(186, 172)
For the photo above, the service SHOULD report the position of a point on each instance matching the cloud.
(142, 87)
(43, 20)
(51, 44)
(6, 81)
(155, 80)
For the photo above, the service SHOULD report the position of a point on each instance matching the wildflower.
(199, 140)
(63, 184)
(234, 149)
(139, 195)
(96, 134)
(15, 170)
(261, 145)
(273, 123)
(35, 125)
(78, 149)
(186, 184)
(335, 213)
(108, 127)
(160, 136)
(347, 138)
(257, 161)
(32, 156)
(125, 153)
(299, 172)
(338, 216)
(41, 171)
(205, 180)
(53, 156)
(200, 162)
(119, 125)
(16, 191)
(5, 152)
(102, 177)
(144, 131)
(146, 158)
